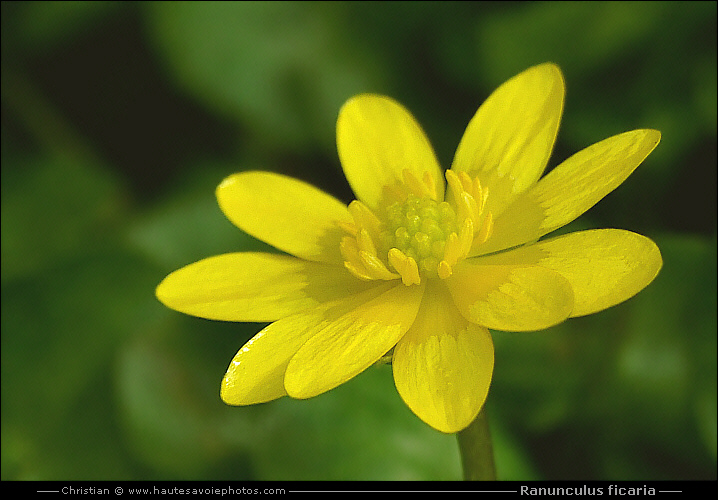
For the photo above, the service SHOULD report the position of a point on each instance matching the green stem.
(477, 454)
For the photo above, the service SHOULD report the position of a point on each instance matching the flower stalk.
(477, 454)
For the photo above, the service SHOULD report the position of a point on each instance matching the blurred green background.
(119, 120)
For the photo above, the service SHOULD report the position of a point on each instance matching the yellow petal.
(510, 297)
(508, 142)
(604, 266)
(286, 213)
(443, 365)
(350, 339)
(571, 188)
(256, 374)
(254, 286)
(378, 139)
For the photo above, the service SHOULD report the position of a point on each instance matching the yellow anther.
(405, 266)
(444, 270)
(424, 188)
(487, 227)
(454, 186)
(430, 185)
(358, 272)
(349, 248)
(347, 227)
(466, 238)
(480, 195)
(467, 208)
(415, 186)
(375, 267)
(364, 218)
(465, 181)
(365, 242)
(452, 250)
(363, 264)
(350, 251)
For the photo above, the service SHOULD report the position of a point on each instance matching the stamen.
(376, 267)
(365, 242)
(363, 264)
(405, 266)
(466, 181)
(453, 250)
(487, 228)
(470, 200)
(364, 218)
(454, 186)
(347, 227)
(444, 270)
(415, 185)
(466, 238)
(467, 208)
(430, 185)
(417, 235)
(350, 251)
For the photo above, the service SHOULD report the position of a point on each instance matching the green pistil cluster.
(419, 228)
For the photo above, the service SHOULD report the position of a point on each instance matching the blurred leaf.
(626, 382)
(52, 209)
(538, 376)
(177, 424)
(706, 411)
(188, 225)
(47, 25)
(705, 91)
(511, 457)
(59, 332)
(524, 34)
(171, 410)
(622, 53)
(666, 364)
(85, 445)
(530, 33)
(359, 431)
(283, 69)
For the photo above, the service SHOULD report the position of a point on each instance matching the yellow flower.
(418, 267)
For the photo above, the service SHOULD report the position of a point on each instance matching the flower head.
(423, 263)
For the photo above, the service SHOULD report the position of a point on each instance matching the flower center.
(419, 228)
(417, 235)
